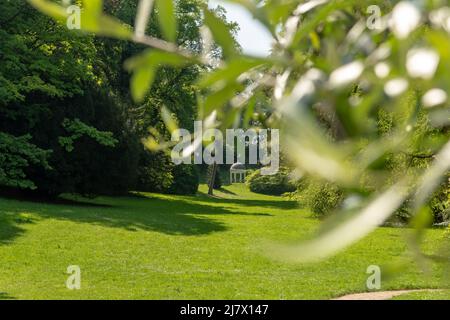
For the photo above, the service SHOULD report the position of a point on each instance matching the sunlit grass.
(181, 247)
(426, 295)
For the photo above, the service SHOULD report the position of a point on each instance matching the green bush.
(326, 199)
(276, 184)
(185, 180)
(319, 196)
(154, 172)
(157, 173)
(440, 203)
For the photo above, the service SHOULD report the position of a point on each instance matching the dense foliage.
(16, 154)
(67, 121)
(62, 130)
(185, 181)
(322, 197)
(276, 184)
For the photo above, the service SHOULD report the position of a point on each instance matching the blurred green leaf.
(144, 67)
(92, 18)
(51, 9)
(141, 82)
(322, 14)
(230, 71)
(423, 219)
(169, 120)
(315, 40)
(219, 98)
(221, 33)
(278, 11)
(249, 112)
(111, 27)
(167, 18)
(93, 8)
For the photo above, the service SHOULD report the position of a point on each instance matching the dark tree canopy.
(67, 120)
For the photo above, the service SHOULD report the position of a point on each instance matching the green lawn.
(172, 247)
(428, 295)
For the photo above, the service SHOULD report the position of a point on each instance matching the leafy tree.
(174, 88)
(56, 107)
(16, 154)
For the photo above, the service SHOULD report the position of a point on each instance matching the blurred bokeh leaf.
(221, 33)
(167, 18)
(50, 8)
(144, 67)
(92, 18)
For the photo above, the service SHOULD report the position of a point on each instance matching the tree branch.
(161, 45)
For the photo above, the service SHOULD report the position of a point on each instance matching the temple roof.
(238, 166)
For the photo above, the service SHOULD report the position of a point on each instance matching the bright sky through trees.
(252, 36)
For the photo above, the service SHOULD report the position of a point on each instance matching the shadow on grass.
(188, 215)
(56, 201)
(226, 191)
(174, 216)
(9, 231)
(273, 204)
(11, 225)
(5, 296)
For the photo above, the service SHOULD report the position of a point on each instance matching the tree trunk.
(212, 179)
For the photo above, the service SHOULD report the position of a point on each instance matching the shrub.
(440, 203)
(154, 172)
(157, 173)
(185, 180)
(327, 198)
(321, 197)
(276, 184)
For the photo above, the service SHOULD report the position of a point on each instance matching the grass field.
(173, 247)
(432, 295)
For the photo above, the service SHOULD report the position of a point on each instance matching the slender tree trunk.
(212, 179)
